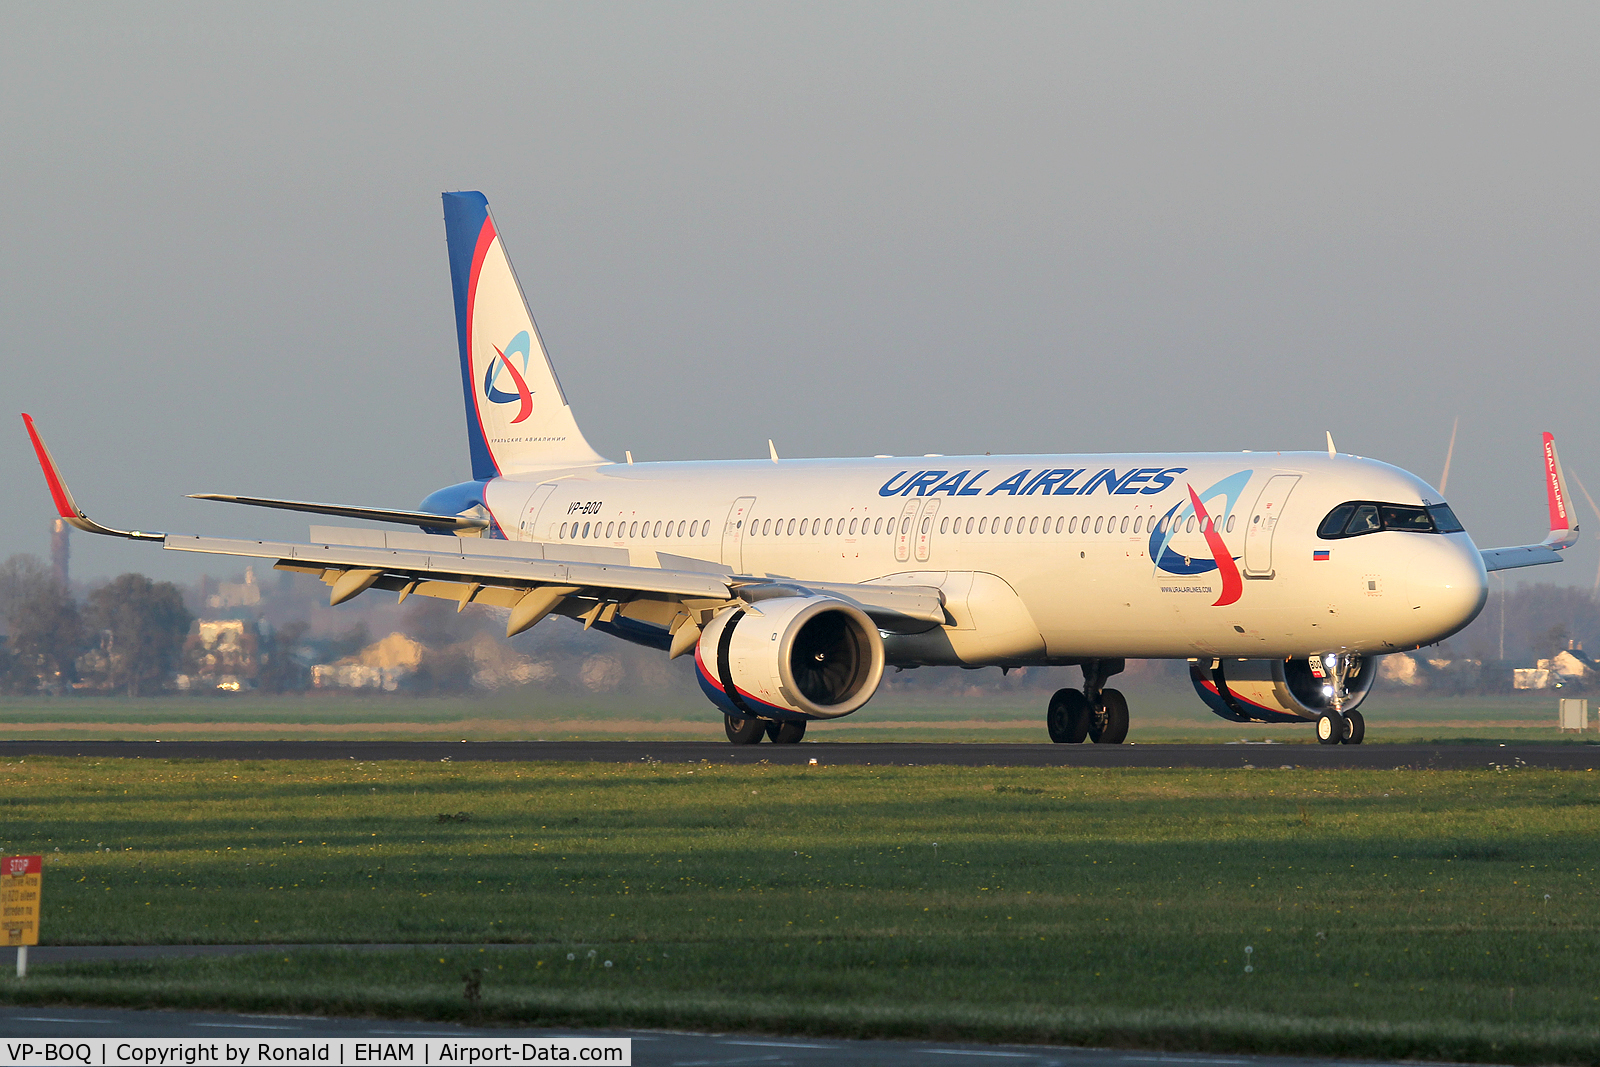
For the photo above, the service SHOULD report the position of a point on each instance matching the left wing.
(1563, 532)
(663, 606)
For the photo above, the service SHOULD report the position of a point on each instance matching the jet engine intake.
(1274, 690)
(790, 658)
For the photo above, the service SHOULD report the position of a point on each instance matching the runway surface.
(650, 1048)
(1310, 756)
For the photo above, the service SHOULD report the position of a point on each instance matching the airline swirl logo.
(505, 365)
(1210, 527)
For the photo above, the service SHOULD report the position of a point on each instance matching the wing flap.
(486, 569)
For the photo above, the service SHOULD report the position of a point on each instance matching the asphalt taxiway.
(1576, 756)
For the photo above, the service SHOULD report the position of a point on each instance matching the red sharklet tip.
(52, 477)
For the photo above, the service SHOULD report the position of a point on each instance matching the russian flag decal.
(1319, 555)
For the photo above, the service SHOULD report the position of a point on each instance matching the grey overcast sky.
(856, 229)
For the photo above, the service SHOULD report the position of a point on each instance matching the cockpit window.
(1365, 520)
(1357, 517)
(1333, 525)
(1444, 520)
(1403, 517)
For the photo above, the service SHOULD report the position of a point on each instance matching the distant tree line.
(129, 635)
(126, 636)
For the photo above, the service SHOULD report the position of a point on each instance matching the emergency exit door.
(733, 533)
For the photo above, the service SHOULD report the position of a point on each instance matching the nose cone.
(1446, 585)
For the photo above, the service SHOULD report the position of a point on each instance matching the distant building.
(60, 552)
(381, 665)
(221, 654)
(245, 594)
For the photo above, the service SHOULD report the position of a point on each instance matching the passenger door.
(1263, 521)
(527, 527)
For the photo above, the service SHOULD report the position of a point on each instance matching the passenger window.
(853, 527)
(634, 530)
(1231, 520)
(680, 527)
(1008, 524)
(877, 526)
(969, 524)
(657, 530)
(926, 525)
(1124, 527)
(1072, 526)
(828, 529)
(1033, 525)
(983, 524)
(1138, 520)
(803, 526)
(944, 524)
(563, 534)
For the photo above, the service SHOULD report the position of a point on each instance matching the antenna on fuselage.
(772, 449)
(1330, 444)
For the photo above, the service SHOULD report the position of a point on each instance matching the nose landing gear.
(1336, 726)
(1094, 712)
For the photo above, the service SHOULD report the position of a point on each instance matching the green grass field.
(1439, 915)
(1161, 712)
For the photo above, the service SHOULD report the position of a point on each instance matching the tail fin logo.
(519, 348)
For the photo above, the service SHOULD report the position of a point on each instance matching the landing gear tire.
(1110, 726)
(1068, 717)
(1355, 727)
(744, 731)
(1331, 727)
(786, 733)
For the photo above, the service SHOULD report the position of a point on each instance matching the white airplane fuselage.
(1035, 570)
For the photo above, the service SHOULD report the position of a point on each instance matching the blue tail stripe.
(464, 215)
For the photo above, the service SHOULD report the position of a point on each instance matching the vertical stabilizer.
(517, 417)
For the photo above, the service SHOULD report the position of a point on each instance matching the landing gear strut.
(1095, 712)
(1336, 726)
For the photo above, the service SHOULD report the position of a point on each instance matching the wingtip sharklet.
(1563, 531)
(66, 507)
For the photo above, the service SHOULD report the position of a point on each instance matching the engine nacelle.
(1274, 690)
(790, 658)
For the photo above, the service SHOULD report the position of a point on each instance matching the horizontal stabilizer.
(424, 519)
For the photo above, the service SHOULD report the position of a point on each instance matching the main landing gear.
(752, 731)
(1094, 712)
(1335, 726)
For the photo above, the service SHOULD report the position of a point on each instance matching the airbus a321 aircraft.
(794, 583)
